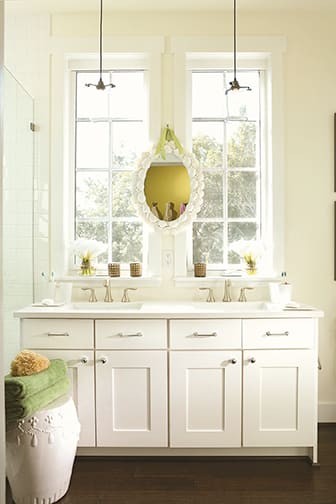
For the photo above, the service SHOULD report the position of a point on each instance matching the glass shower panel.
(18, 181)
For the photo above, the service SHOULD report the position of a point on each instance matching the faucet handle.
(211, 297)
(242, 295)
(125, 298)
(93, 297)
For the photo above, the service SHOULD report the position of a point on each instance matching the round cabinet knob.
(233, 361)
(103, 360)
(253, 360)
(84, 359)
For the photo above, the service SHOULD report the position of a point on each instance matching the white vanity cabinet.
(242, 385)
(131, 383)
(73, 341)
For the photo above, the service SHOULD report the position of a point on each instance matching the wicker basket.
(200, 269)
(135, 269)
(114, 269)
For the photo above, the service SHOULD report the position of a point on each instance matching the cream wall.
(2, 409)
(309, 104)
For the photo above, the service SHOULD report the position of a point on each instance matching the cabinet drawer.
(131, 334)
(207, 334)
(56, 333)
(278, 333)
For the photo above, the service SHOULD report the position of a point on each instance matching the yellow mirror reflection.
(167, 190)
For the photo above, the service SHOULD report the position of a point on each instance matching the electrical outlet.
(167, 258)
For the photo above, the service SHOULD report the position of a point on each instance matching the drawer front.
(56, 333)
(206, 334)
(278, 333)
(131, 334)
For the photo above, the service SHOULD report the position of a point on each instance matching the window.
(110, 133)
(227, 140)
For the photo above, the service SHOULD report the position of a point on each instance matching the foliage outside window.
(110, 131)
(226, 140)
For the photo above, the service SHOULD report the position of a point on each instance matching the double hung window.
(227, 141)
(110, 133)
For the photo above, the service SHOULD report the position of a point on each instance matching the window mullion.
(110, 191)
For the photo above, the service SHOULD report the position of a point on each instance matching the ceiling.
(55, 6)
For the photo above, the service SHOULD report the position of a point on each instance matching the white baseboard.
(327, 412)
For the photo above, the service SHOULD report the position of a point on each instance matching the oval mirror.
(168, 185)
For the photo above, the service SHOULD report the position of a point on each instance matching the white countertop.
(168, 310)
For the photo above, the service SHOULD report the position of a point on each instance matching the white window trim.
(76, 50)
(252, 51)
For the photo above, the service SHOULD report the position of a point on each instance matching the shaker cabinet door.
(81, 373)
(279, 397)
(131, 394)
(205, 399)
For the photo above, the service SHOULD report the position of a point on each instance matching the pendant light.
(101, 84)
(234, 85)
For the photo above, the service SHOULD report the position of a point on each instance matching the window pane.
(91, 194)
(91, 102)
(122, 197)
(244, 103)
(126, 242)
(93, 231)
(241, 194)
(207, 138)
(241, 144)
(208, 94)
(240, 231)
(127, 98)
(208, 242)
(128, 143)
(212, 205)
(92, 145)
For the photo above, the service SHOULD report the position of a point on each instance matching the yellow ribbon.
(168, 135)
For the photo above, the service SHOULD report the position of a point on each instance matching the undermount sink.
(114, 306)
(234, 306)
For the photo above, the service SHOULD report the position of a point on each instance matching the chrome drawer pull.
(135, 335)
(198, 335)
(269, 333)
(58, 334)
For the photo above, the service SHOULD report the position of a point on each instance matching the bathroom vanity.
(186, 378)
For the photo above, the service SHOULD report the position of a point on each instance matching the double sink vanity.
(186, 378)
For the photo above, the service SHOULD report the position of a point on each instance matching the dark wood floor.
(206, 481)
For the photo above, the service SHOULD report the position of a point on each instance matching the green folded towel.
(30, 404)
(19, 387)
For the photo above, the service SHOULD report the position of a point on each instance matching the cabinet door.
(279, 397)
(131, 394)
(81, 373)
(205, 399)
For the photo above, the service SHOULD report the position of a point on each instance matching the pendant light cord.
(101, 40)
(234, 39)
(101, 84)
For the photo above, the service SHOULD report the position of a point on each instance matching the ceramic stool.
(40, 453)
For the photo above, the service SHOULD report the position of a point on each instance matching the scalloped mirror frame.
(192, 166)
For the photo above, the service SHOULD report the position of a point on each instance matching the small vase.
(87, 268)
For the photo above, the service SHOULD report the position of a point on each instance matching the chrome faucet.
(227, 291)
(211, 297)
(125, 298)
(108, 294)
(242, 295)
(93, 297)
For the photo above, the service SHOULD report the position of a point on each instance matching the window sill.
(218, 280)
(122, 281)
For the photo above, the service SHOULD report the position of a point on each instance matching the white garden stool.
(40, 453)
